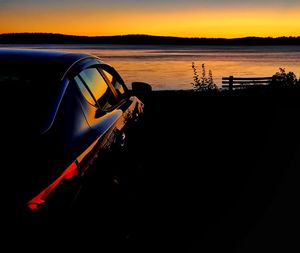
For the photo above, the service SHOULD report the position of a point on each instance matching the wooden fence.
(232, 82)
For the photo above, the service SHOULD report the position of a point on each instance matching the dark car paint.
(74, 129)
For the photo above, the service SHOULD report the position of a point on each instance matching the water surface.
(169, 67)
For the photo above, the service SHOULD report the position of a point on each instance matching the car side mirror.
(141, 88)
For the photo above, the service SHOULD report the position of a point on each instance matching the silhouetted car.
(59, 112)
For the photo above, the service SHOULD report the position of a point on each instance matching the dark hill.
(51, 38)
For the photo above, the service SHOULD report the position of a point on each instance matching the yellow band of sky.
(218, 22)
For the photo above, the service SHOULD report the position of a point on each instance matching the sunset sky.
(186, 18)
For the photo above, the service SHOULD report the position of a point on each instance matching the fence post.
(230, 83)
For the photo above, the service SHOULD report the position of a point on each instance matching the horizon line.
(150, 35)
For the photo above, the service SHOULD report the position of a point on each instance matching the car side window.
(97, 87)
(85, 92)
(115, 82)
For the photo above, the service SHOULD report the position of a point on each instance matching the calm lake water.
(169, 67)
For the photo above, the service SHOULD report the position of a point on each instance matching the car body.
(60, 111)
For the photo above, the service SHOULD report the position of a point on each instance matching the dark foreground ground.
(220, 172)
(207, 173)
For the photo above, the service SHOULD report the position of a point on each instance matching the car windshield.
(28, 99)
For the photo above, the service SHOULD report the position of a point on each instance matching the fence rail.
(232, 82)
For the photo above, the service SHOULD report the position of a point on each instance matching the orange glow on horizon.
(227, 23)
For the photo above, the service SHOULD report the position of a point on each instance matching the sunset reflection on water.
(170, 67)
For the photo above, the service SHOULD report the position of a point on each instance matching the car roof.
(32, 66)
(56, 63)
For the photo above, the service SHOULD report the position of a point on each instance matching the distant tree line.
(51, 38)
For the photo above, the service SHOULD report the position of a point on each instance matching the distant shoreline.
(51, 38)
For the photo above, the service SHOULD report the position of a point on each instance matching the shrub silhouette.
(203, 82)
(283, 79)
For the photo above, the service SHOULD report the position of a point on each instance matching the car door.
(107, 105)
(101, 103)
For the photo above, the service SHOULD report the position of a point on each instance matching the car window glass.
(115, 82)
(98, 87)
(108, 75)
(87, 95)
